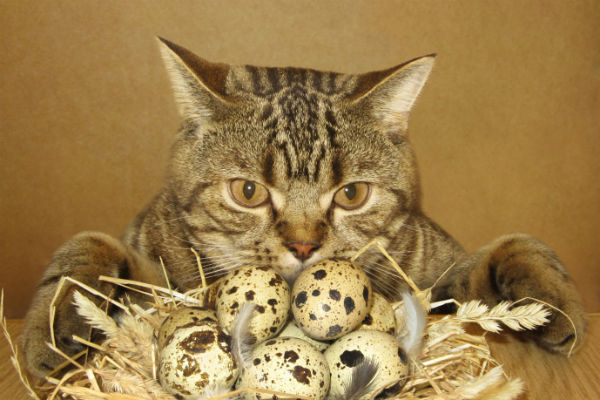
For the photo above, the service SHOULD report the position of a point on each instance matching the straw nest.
(453, 364)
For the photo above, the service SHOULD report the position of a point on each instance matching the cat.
(285, 167)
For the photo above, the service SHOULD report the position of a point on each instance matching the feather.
(214, 391)
(361, 382)
(415, 325)
(242, 342)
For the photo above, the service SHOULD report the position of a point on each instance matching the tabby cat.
(285, 167)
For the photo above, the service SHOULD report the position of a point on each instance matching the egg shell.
(292, 330)
(349, 351)
(288, 365)
(184, 317)
(262, 286)
(381, 317)
(195, 359)
(331, 298)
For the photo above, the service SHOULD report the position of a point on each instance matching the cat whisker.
(376, 267)
(191, 267)
(402, 252)
(210, 262)
(219, 266)
(384, 276)
(220, 270)
(225, 261)
(223, 271)
(223, 257)
(387, 284)
(381, 282)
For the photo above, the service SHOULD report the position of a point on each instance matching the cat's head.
(287, 166)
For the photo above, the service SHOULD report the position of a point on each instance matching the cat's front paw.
(521, 266)
(39, 357)
(84, 258)
(563, 335)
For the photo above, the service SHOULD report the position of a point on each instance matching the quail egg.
(381, 317)
(288, 365)
(331, 298)
(195, 359)
(292, 330)
(262, 286)
(350, 350)
(184, 317)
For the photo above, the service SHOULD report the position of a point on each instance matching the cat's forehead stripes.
(296, 115)
(300, 132)
(266, 81)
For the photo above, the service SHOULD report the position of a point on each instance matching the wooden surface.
(547, 376)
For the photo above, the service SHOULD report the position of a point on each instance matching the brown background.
(507, 130)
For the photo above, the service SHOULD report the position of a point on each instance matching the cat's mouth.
(290, 266)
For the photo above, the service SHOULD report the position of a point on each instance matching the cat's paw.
(563, 335)
(40, 359)
(523, 267)
(84, 258)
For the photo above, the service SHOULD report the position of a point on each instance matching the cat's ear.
(391, 93)
(198, 84)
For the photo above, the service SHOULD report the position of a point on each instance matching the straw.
(452, 364)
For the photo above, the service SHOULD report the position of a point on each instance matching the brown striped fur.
(303, 135)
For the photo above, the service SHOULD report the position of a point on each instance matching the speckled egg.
(262, 286)
(349, 351)
(331, 298)
(381, 317)
(288, 365)
(292, 330)
(184, 317)
(195, 359)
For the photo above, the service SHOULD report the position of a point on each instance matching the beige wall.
(507, 130)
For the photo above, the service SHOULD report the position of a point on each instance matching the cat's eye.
(248, 193)
(352, 196)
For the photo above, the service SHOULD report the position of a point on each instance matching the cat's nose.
(302, 250)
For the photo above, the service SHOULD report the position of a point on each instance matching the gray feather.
(361, 381)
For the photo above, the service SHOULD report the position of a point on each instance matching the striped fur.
(303, 135)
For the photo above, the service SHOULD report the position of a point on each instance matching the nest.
(453, 363)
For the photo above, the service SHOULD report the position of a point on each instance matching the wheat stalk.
(517, 318)
(95, 316)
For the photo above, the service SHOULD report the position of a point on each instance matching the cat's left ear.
(391, 93)
(199, 85)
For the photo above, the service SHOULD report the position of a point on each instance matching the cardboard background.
(507, 130)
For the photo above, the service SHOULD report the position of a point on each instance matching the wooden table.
(547, 376)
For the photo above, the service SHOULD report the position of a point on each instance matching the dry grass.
(453, 364)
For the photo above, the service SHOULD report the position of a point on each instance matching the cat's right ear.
(198, 84)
